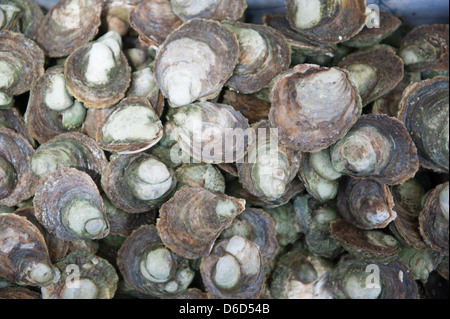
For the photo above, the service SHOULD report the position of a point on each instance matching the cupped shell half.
(219, 10)
(24, 257)
(69, 24)
(209, 56)
(212, 132)
(375, 72)
(313, 106)
(137, 183)
(131, 126)
(264, 53)
(154, 20)
(424, 110)
(377, 147)
(68, 204)
(12, 118)
(233, 270)
(16, 182)
(98, 73)
(31, 16)
(327, 21)
(193, 218)
(150, 267)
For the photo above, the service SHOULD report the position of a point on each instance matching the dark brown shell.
(394, 152)
(259, 227)
(43, 122)
(250, 285)
(388, 68)
(23, 248)
(342, 20)
(424, 111)
(298, 42)
(250, 106)
(19, 293)
(25, 55)
(230, 10)
(431, 44)
(365, 203)
(16, 150)
(134, 251)
(301, 109)
(223, 45)
(366, 245)
(199, 142)
(96, 96)
(189, 224)
(94, 117)
(389, 23)
(117, 190)
(153, 20)
(59, 41)
(406, 229)
(57, 190)
(127, 146)
(12, 119)
(253, 73)
(433, 219)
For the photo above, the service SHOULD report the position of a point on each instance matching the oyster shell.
(377, 147)
(426, 48)
(12, 118)
(83, 276)
(24, 257)
(365, 203)
(19, 293)
(288, 232)
(137, 183)
(116, 15)
(16, 182)
(327, 21)
(230, 10)
(424, 111)
(206, 176)
(31, 16)
(204, 67)
(131, 126)
(98, 73)
(250, 106)
(264, 53)
(193, 218)
(233, 270)
(154, 20)
(68, 204)
(68, 25)
(313, 106)
(150, 267)
(375, 72)
(421, 262)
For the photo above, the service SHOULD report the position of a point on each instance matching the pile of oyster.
(119, 178)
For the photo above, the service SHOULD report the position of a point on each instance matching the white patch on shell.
(7, 78)
(308, 14)
(246, 253)
(10, 240)
(101, 62)
(56, 97)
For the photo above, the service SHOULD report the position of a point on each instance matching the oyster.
(137, 183)
(313, 106)
(288, 232)
(424, 111)
(250, 106)
(433, 219)
(24, 256)
(9, 17)
(421, 262)
(19, 67)
(193, 218)
(377, 147)
(12, 118)
(150, 267)
(68, 25)
(154, 20)
(355, 279)
(375, 71)
(264, 53)
(83, 276)
(426, 48)
(204, 67)
(16, 182)
(131, 126)
(212, 132)
(230, 10)
(206, 176)
(67, 203)
(51, 110)
(31, 16)
(116, 15)
(327, 21)
(98, 73)
(233, 270)
(365, 203)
